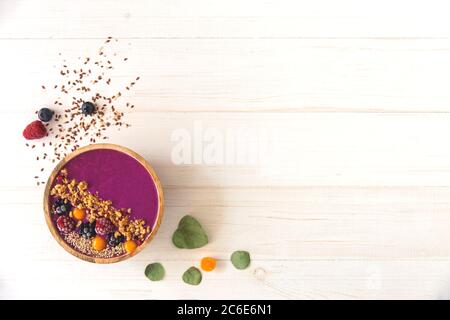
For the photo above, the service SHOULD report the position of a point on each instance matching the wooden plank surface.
(245, 75)
(345, 105)
(230, 19)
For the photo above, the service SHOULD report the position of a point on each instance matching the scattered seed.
(70, 125)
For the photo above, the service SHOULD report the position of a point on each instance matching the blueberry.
(88, 108)
(45, 114)
(66, 207)
(114, 241)
(59, 202)
(58, 210)
(87, 230)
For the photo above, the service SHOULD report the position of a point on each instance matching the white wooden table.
(351, 198)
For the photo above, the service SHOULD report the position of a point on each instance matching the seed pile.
(84, 245)
(70, 127)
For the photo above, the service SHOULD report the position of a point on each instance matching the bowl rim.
(76, 153)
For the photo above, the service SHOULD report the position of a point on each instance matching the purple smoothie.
(120, 178)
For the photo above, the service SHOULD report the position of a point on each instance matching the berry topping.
(98, 243)
(65, 224)
(130, 246)
(58, 202)
(65, 208)
(115, 240)
(35, 130)
(78, 214)
(104, 226)
(61, 207)
(45, 114)
(88, 108)
(87, 230)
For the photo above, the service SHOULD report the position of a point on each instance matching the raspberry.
(35, 130)
(103, 226)
(59, 179)
(65, 224)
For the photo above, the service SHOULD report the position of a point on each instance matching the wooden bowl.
(47, 204)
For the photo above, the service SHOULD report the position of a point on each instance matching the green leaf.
(189, 234)
(189, 221)
(240, 259)
(155, 271)
(192, 276)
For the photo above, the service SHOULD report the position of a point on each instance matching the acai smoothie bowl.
(103, 203)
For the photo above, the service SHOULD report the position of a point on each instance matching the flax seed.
(72, 129)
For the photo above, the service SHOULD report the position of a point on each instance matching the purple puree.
(120, 178)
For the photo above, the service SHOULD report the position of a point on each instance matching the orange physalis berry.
(98, 243)
(78, 214)
(208, 264)
(130, 246)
